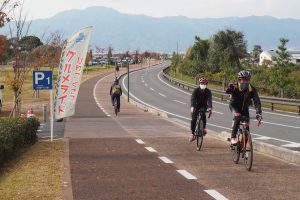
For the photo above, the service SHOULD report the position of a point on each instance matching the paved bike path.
(106, 162)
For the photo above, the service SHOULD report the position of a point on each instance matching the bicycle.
(200, 129)
(244, 145)
(116, 105)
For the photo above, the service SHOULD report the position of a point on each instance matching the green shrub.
(15, 134)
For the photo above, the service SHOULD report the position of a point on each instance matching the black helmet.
(244, 75)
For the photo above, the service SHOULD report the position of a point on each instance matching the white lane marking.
(150, 149)
(39, 130)
(108, 115)
(146, 84)
(140, 141)
(152, 89)
(218, 112)
(215, 194)
(296, 127)
(166, 160)
(293, 145)
(171, 85)
(186, 174)
(182, 117)
(94, 94)
(162, 95)
(272, 113)
(263, 138)
(180, 102)
(42, 124)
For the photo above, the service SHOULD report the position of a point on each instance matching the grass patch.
(35, 174)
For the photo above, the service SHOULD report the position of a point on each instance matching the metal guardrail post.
(272, 106)
(299, 110)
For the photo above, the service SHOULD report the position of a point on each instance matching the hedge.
(15, 134)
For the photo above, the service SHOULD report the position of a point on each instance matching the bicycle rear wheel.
(116, 106)
(248, 150)
(199, 135)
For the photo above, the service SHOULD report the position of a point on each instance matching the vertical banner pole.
(51, 113)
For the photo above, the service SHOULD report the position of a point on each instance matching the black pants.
(113, 96)
(194, 120)
(236, 123)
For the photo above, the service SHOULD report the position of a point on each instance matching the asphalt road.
(150, 88)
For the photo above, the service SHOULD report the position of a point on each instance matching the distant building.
(268, 57)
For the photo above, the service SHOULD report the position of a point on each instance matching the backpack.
(116, 89)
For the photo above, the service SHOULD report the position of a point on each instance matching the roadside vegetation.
(225, 53)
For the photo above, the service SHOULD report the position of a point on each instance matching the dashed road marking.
(180, 102)
(140, 141)
(150, 149)
(162, 95)
(152, 89)
(215, 194)
(166, 160)
(186, 174)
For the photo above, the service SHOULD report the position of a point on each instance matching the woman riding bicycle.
(241, 96)
(200, 99)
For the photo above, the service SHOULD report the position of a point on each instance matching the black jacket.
(201, 98)
(241, 100)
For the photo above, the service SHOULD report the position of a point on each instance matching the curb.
(67, 181)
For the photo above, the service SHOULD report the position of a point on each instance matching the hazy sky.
(159, 8)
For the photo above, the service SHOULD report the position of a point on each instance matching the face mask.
(244, 86)
(202, 87)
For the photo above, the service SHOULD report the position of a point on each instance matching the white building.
(267, 57)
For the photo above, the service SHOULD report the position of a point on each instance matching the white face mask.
(202, 86)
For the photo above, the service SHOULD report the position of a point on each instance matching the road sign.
(42, 80)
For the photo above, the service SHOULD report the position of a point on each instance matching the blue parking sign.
(42, 80)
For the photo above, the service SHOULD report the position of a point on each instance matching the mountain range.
(140, 32)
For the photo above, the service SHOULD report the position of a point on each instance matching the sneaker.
(204, 132)
(192, 138)
(234, 141)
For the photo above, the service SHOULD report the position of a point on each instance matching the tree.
(6, 7)
(28, 43)
(3, 47)
(284, 58)
(257, 50)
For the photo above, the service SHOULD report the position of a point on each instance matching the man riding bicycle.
(200, 99)
(241, 96)
(116, 92)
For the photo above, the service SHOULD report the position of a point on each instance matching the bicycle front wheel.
(199, 135)
(235, 149)
(248, 151)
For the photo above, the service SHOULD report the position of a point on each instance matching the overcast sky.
(159, 8)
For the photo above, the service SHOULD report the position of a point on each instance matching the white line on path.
(162, 95)
(140, 141)
(296, 127)
(152, 89)
(215, 194)
(180, 102)
(262, 138)
(166, 160)
(186, 174)
(150, 149)
(146, 84)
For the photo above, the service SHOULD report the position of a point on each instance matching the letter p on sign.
(39, 76)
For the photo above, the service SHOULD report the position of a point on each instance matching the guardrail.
(271, 100)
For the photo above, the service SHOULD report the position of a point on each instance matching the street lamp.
(127, 61)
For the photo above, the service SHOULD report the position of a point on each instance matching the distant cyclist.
(116, 92)
(241, 96)
(200, 99)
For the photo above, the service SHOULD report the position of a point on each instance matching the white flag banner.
(71, 66)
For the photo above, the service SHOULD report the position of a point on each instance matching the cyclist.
(116, 92)
(241, 96)
(200, 99)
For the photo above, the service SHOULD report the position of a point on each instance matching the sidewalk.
(106, 162)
